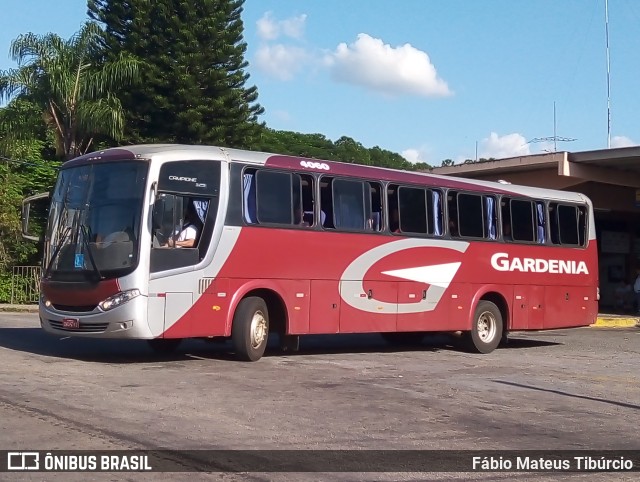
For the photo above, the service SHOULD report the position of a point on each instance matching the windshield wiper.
(63, 238)
(85, 235)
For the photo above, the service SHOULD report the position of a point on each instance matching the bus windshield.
(94, 222)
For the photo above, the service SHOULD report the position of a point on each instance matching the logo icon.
(78, 261)
(23, 461)
(315, 165)
(437, 276)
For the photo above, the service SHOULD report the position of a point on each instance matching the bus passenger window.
(582, 226)
(491, 217)
(374, 222)
(326, 203)
(554, 229)
(505, 216)
(303, 200)
(541, 223)
(452, 214)
(522, 220)
(569, 225)
(273, 197)
(349, 204)
(434, 207)
(249, 196)
(470, 215)
(413, 210)
(393, 216)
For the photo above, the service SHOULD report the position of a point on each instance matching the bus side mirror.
(35, 210)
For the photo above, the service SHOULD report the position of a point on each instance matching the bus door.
(182, 222)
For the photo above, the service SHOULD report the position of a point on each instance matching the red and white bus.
(299, 246)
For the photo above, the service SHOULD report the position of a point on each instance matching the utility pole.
(606, 28)
(555, 138)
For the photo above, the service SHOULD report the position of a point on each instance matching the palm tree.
(75, 95)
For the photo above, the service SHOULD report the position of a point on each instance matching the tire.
(486, 330)
(250, 330)
(164, 345)
(409, 338)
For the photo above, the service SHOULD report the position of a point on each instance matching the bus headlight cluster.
(119, 299)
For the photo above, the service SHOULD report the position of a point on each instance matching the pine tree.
(193, 85)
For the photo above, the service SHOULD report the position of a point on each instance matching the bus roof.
(170, 152)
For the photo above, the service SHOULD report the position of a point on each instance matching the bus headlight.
(119, 299)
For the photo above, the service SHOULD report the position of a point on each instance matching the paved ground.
(575, 389)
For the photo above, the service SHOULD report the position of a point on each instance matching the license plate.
(71, 323)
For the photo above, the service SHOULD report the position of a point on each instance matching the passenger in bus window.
(300, 217)
(506, 231)
(394, 221)
(453, 227)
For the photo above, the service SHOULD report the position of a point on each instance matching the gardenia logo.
(501, 262)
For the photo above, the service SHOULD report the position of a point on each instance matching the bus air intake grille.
(204, 284)
(74, 309)
(83, 328)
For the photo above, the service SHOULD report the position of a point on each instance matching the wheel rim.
(258, 329)
(486, 327)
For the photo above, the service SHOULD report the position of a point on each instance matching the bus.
(293, 246)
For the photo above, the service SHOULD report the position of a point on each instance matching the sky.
(431, 80)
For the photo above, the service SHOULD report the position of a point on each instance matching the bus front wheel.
(486, 331)
(250, 330)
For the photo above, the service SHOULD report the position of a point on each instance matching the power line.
(554, 138)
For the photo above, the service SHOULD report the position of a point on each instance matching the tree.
(23, 171)
(74, 95)
(193, 84)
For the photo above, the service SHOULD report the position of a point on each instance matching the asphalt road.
(575, 389)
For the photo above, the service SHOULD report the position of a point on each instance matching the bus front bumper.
(125, 321)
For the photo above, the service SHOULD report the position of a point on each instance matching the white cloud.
(391, 70)
(499, 147)
(622, 141)
(270, 28)
(415, 155)
(280, 61)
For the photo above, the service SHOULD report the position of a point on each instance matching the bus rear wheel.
(250, 330)
(487, 328)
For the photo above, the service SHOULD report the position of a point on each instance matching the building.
(609, 177)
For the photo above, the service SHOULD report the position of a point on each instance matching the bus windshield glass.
(94, 222)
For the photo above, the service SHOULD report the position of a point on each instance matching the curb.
(18, 309)
(616, 322)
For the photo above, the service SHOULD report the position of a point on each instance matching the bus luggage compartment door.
(370, 306)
